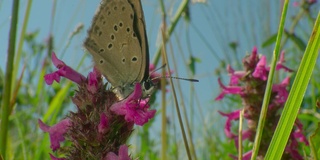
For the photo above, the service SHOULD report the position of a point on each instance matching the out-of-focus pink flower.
(251, 88)
(64, 71)
(292, 148)
(152, 73)
(308, 2)
(245, 135)
(312, 1)
(298, 133)
(133, 108)
(228, 90)
(261, 70)
(154, 76)
(123, 154)
(280, 63)
(235, 75)
(296, 4)
(56, 132)
(230, 117)
(281, 89)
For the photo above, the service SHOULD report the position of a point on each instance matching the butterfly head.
(147, 88)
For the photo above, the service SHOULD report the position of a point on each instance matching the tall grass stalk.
(268, 90)
(5, 108)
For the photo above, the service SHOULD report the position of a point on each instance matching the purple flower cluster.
(250, 85)
(102, 124)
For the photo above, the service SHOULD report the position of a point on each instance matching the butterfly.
(118, 43)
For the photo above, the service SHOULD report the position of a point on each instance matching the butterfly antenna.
(159, 68)
(186, 79)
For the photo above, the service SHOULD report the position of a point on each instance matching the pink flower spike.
(230, 117)
(133, 108)
(123, 154)
(280, 63)
(64, 71)
(104, 124)
(228, 90)
(55, 158)
(56, 132)
(261, 71)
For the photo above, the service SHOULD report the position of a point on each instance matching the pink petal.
(228, 90)
(123, 154)
(261, 71)
(230, 117)
(133, 108)
(254, 53)
(281, 89)
(104, 123)
(292, 148)
(111, 156)
(245, 135)
(296, 4)
(154, 76)
(56, 132)
(298, 133)
(235, 75)
(64, 71)
(280, 63)
(57, 62)
(93, 81)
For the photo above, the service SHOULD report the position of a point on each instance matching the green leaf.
(192, 64)
(56, 103)
(292, 106)
(272, 39)
(315, 143)
(298, 41)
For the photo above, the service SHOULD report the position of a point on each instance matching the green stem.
(295, 97)
(21, 40)
(5, 109)
(267, 93)
(164, 137)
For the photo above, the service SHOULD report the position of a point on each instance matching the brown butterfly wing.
(115, 42)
